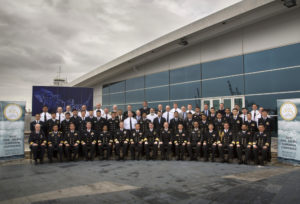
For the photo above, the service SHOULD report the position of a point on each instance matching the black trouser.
(55, 148)
(89, 151)
(38, 152)
(180, 150)
(226, 147)
(102, 147)
(151, 147)
(71, 150)
(165, 150)
(194, 150)
(136, 148)
(207, 148)
(263, 151)
(124, 147)
(240, 149)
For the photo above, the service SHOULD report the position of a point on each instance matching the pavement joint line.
(82, 190)
(260, 174)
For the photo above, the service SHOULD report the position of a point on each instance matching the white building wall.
(277, 31)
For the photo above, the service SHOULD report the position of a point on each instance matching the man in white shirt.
(106, 114)
(175, 108)
(68, 110)
(60, 115)
(152, 115)
(83, 108)
(45, 116)
(129, 123)
(183, 114)
(255, 113)
(98, 107)
(244, 114)
(190, 109)
(168, 115)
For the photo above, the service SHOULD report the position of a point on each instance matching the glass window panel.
(190, 73)
(223, 67)
(135, 107)
(216, 104)
(105, 99)
(157, 94)
(117, 87)
(135, 83)
(227, 103)
(118, 98)
(238, 101)
(105, 89)
(206, 102)
(273, 58)
(185, 91)
(223, 87)
(135, 96)
(157, 79)
(283, 80)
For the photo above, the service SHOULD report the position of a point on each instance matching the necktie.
(106, 116)
(244, 118)
(254, 114)
(45, 117)
(168, 117)
(59, 118)
(130, 125)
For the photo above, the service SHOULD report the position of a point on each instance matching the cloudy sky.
(38, 36)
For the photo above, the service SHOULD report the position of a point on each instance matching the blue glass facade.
(260, 77)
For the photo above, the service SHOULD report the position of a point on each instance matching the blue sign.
(53, 97)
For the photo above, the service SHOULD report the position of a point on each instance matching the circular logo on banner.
(288, 111)
(13, 112)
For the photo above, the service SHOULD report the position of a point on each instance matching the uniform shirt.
(127, 123)
(190, 111)
(48, 116)
(244, 117)
(255, 115)
(151, 117)
(71, 114)
(87, 114)
(177, 109)
(60, 117)
(171, 116)
(106, 116)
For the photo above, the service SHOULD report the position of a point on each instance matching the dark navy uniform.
(219, 125)
(197, 117)
(188, 125)
(55, 144)
(243, 143)
(77, 121)
(136, 144)
(145, 110)
(88, 142)
(72, 141)
(179, 139)
(39, 150)
(125, 114)
(203, 125)
(113, 125)
(144, 124)
(159, 123)
(210, 144)
(105, 142)
(267, 122)
(82, 124)
(252, 126)
(98, 124)
(195, 140)
(165, 147)
(235, 125)
(65, 126)
(174, 123)
(262, 140)
(33, 123)
(226, 141)
(50, 123)
(121, 139)
(151, 143)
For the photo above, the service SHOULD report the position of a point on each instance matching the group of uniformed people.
(180, 132)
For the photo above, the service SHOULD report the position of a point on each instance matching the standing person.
(183, 114)
(65, 124)
(144, 122)
(120, 115)
(266, 121)
(255, 113)
(175, 121)
(168, 115)
(125, 114)
(151, 116)
(197, 115)
(99, 122)
(60, 116)
(235, 122)
(106, 114)
(91, 118)
(112, 123)
(136, 142)
(190, 109)
(244, 114)
(212, 116)
(138, 116)
(68, 110)
(83, 108)
(175, 108)
(145, 108)
(206, 110)
(83, 121)
(98, 108)
(189, 123)
(45, 116)
(72, 141)
(37, 121)
(221, 109)
(159, 108)
(165, 143)
(55, 143)
(75, 119)
(51, 122)
(159, 121)
(37, 143)
(129, 123)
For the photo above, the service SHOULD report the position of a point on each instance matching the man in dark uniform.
(65, 124)
(227, 115)
(151, 142)
(88, 142)
(72, 141)
(105, 142)
(261, 144)
(235, 122)
(251, 124)
(113, 123)
(145, 108)
(37, 143)
(203, 125)
(144, 123)
(121, 139)
(243, 143)
(197, 115)
(165, 143)
(51, 122)
(91, 118)
(211, 117)
(189, 123)
(159, 122)
(37, 121)
(210, 142)
(180, 140)
(55, 143)
(219, 123)
(99, 122)
(83, 122)
(175, 122)
(221, 109)
(266, 121)
(226, 143)
(76, 120)
(195, 141)
(136, 142)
